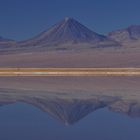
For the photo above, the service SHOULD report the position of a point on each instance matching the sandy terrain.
(84, 86)
(80, 58)
(126, 88)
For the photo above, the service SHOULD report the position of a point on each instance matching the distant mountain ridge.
(131, 33)
(4, 42)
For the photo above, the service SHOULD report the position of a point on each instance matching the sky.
(23, 19)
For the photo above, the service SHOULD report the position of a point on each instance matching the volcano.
(67, 31)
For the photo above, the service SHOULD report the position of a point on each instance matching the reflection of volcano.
(71, 110)
(68, 111)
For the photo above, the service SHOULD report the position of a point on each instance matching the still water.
(21, 121)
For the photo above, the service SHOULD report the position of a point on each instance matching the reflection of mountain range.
(69, 111)
(126, 107)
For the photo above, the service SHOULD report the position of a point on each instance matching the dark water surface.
(22, 121)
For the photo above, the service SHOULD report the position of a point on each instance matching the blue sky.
(22, 19)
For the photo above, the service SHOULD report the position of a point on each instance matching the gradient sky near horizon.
(22, 19)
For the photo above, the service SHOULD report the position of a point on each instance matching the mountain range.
(131, 33)
(69, 32)
(4, 43)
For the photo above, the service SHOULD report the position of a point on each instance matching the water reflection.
(70, 110)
